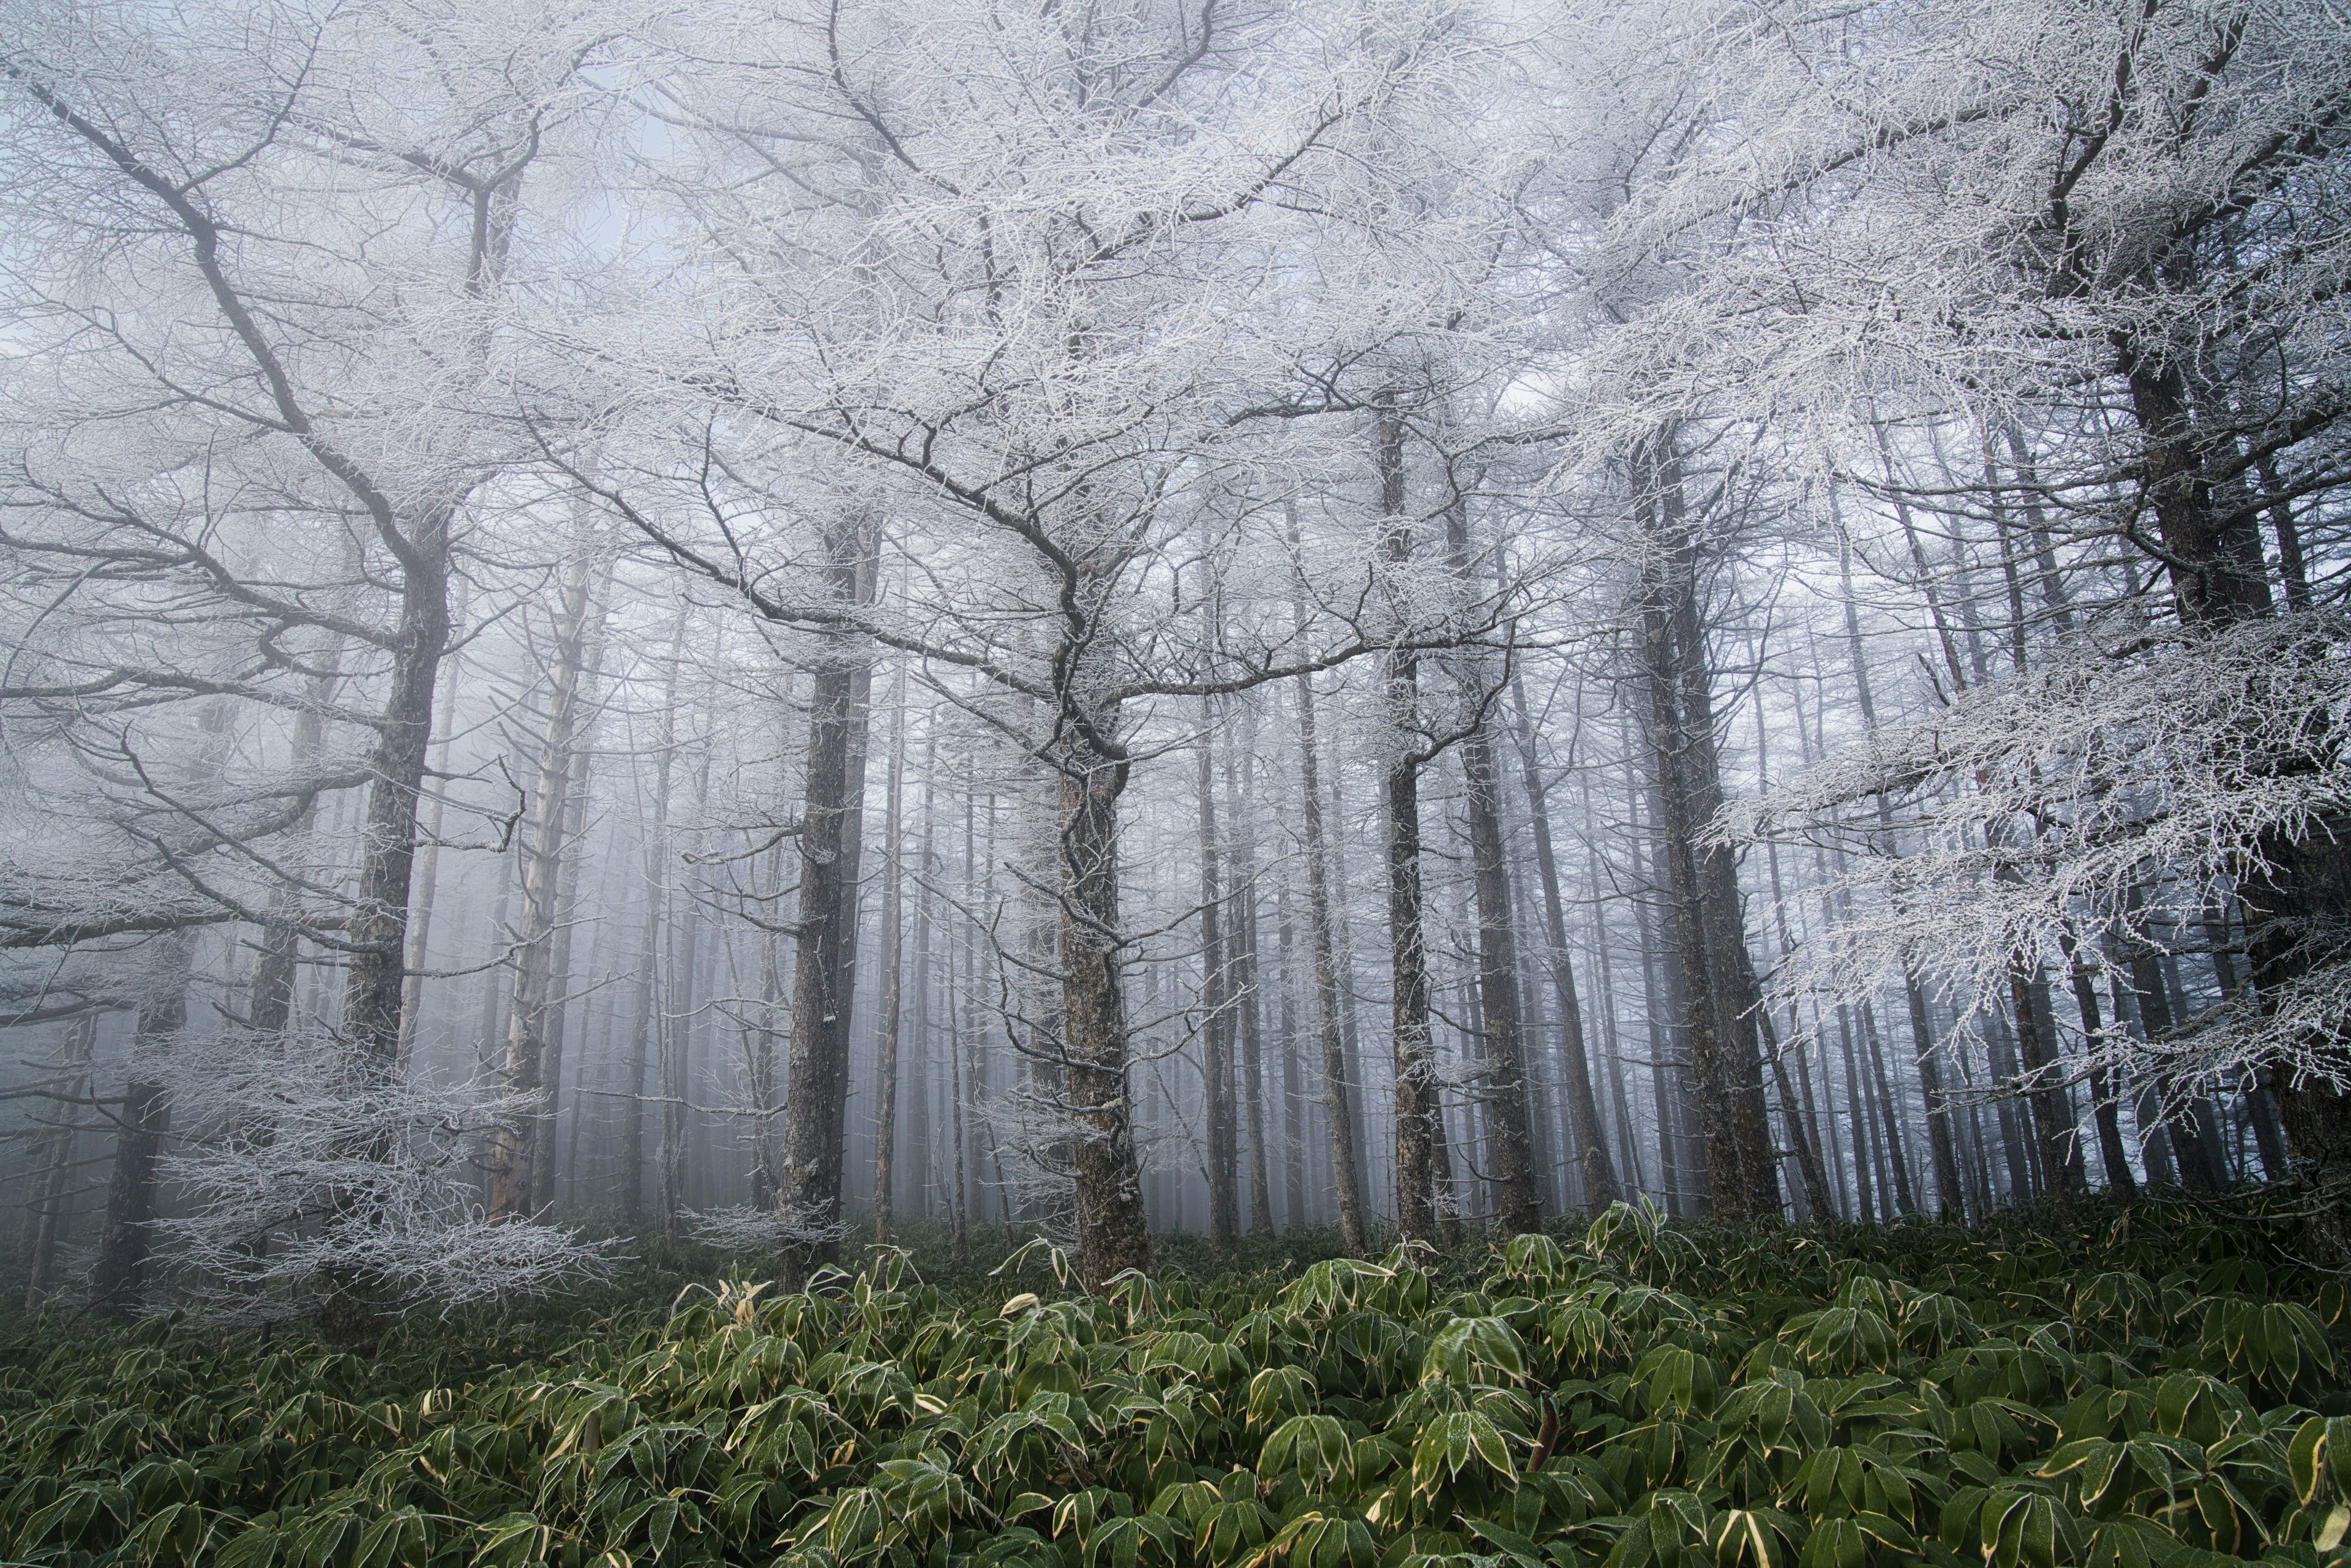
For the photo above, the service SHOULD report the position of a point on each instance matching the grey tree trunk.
(1600, 1186)
(526, 1137)
(894, 965)
(1217, 1109)
(1249, 1013)
(117, 1283)
(1719, 994)
(1339, 1117)
(825, 960)
(1113, 1231)
(1419, 1132)
(649, 974)
(46, 1221)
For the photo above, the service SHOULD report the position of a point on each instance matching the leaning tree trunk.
(524, 1137)
(824, 963)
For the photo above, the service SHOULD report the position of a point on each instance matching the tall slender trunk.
(1114, 1230)
(1419, 1131)
(1293, 1088)
(1249, 1012)
(525, 1138)
(45, 1222)
(118, 1282)
(1217, 1109)
(649, 974)
(680, 1000)
(1600, 1186)
(894, 952)
(1339, 1117)
(2111, 1153)
(824, 961)
(1517, 1205)
(1922, 1035)
(567, 905)
(1507, 1098)
(1889, 1111)
(269, 1006)
(428, 864)
(378, 931)
(919, 1133)
(1720, 995)
(2053, 1119)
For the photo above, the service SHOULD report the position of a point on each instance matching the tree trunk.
(1113, 1231)
(1600, 1186)
(824, 961)
(1248, 1012)
(45, 1221)
(119, 1283)
(893, 951)
(525, 1137)
(1418, 1130)
(1216, 1017)
(1718, 990)
(1509, 1101)
(2053, 1121)
(375, 981)
(656, 854)
(1518, 1206)
(1339, 1117)
(2111, 1153)
(428, 860)
(1293, 1087)
(373, 988)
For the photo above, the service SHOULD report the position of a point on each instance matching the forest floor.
(2156, 1385)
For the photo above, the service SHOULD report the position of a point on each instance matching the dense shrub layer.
(2155, 1389)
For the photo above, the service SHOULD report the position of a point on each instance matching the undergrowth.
(2161, 1386)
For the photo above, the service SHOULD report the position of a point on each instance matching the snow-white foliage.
(747, 1228)
(2111, 798)
(304, 1168)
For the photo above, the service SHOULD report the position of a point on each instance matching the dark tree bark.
(44, 1222)
(1600, 1186)
(1419, 1131)
(1113, 1231)
(2111, 1153)
(117, 1283)
(1507, 1098)
(1721, 996)
(1517, 1205)
(825, 960)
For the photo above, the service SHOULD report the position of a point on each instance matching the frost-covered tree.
(259, 271)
